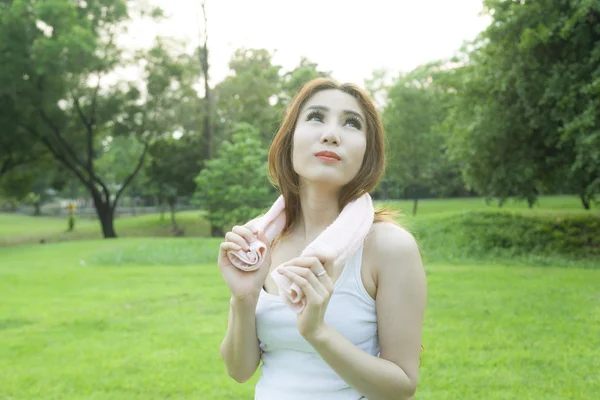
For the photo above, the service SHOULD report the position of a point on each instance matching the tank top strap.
(352, 267)
(351, 277)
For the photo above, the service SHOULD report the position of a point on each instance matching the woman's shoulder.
(386, 236)
(387, 245)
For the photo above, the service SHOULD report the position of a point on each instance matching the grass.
(16, 229)
(143, 319)
(23, 229)
(546, 204)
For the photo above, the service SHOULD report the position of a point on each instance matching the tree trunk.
(585, 201)
(106, 215)
(38, 207)
(172, 203)
(161, 208)
(416, 201)
(203, 53)
(530, 202)
(216, 231)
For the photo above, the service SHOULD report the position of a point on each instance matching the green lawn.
(437, 207)
(22, 229)
(143, 318)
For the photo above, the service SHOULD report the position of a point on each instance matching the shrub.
(233, 187)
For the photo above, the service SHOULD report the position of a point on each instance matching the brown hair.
(281, 171)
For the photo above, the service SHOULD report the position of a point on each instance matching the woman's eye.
(355, 122)
(315, 116)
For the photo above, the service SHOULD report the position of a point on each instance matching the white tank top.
(291, 369)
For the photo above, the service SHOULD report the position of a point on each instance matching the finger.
(312, 296)
(260, 234)
(244, 232)
(226, 246)
(319, 284)
(237, 239)
(325, 279)
(312, 263)
(325, 256)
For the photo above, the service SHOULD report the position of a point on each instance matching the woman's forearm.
(240, 348)
(373, 377)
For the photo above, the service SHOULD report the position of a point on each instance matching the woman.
(359, 335)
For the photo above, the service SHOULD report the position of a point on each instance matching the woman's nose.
(330, 136)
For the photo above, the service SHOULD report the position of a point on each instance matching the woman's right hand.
(244, 285)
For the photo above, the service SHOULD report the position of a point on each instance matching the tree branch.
(64, 144)
(77, 162)
(6, 166)
(132, 175)
(59, 156)
(90, 141)
(95, 96)
(86, 123)
(11, 162)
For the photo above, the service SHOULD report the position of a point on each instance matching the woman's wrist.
(320, 337)
(244, 302)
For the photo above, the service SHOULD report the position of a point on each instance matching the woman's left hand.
(317, 290)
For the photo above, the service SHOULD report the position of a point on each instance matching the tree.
(174, 165)
(58, 56)
(378, 86)
(34, 183)
(16, 151)
(208, 102)
(293, 80)
(527, 118)
(234, 187)
(117, 157)
(249, 94)
(412, 116)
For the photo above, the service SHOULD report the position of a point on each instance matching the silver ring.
(321, 273)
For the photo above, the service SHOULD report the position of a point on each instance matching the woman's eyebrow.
(324, 108)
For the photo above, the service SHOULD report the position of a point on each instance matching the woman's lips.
(328, 156)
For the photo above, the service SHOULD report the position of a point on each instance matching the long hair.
(281, 170)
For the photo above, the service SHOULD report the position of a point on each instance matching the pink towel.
(338, 241)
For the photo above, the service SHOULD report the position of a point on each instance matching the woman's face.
(330, 139)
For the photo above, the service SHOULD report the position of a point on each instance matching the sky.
(349, 38)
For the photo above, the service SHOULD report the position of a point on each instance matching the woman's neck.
(319, 208)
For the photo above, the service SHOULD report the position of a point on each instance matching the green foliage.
(540, 239)
(293, 80)
(233, 187)
(246, 96)
(416, 107)
(58, 89)
(527, 117)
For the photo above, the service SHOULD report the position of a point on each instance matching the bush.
(493, 235)
(233, 187)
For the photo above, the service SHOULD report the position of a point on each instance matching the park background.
(132, 137)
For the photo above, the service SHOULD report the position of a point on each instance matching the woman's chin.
(328, 180)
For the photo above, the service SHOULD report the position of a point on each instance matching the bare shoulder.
(392, 251)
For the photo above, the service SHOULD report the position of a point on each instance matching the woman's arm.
(240, 348)
(401, 298)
